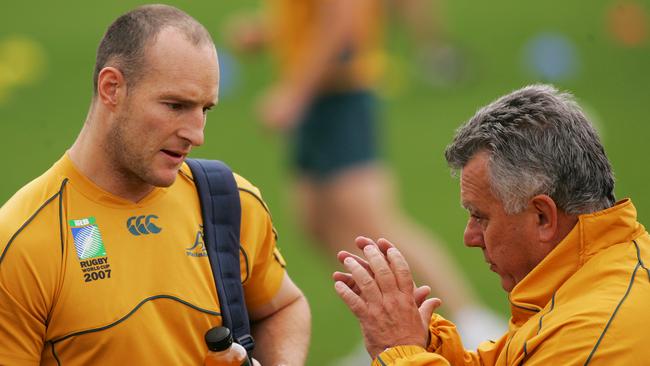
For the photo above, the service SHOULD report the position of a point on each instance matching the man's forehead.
(173, 63)
(465, 197)
(474, 182)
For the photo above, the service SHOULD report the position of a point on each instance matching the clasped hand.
(380, 292)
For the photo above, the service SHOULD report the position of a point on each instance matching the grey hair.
(124, 43)
(539, 142)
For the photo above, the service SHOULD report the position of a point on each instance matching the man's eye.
(175, 106)
(206, 109)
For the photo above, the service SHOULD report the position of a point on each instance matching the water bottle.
(222, 351)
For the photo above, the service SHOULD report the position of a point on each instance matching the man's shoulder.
(601, 308)
(35, 205)
(32, 196)
(242, 183)
(250, 195)
(246, 186)
(611, 279)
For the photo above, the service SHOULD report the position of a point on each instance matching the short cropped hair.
(126, 39)
(539, 142)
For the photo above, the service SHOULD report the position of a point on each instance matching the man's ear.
(111, 86)
(547, 217)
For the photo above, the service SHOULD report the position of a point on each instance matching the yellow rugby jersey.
(292, 24)
(89, 278)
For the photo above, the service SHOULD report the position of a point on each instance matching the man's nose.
(193, 128)
(473, 235)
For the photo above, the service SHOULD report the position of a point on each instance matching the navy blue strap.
(221, 211)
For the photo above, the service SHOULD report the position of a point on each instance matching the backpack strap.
(221, 211)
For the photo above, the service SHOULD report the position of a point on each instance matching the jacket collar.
(592, 233)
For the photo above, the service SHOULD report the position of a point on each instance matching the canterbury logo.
(142, 225)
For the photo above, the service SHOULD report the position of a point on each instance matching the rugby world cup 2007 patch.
(90, 249)
(87, 238)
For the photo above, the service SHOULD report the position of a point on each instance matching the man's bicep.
(287, 294)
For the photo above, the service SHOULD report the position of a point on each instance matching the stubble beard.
(130, 163)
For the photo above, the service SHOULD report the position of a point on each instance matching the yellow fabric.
(147, 301)
(401, 353)
(585, 303)
(293, 24)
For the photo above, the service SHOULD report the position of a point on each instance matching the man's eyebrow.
(468, 206)
(184, 100)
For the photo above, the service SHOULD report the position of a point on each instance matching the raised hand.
(420, 293)
(379, 291)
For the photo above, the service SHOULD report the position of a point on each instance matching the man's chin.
(507, 284)
(165, 180)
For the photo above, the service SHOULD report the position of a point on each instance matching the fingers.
(343, 277)
(343, 254)
(395, 272)
(401, 270)
(420, 293)
(362, 242)
(351, 299)
(347, 279)
(340, 256)
(364, 280)
(384, 245)
(384, 276)
(379, 291)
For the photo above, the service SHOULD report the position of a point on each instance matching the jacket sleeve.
(445, 348)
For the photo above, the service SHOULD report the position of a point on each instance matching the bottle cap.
(218, 339)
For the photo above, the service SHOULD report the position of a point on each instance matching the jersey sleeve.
(262, 264)
(29, 271)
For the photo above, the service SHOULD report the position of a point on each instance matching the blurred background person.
(330, 58)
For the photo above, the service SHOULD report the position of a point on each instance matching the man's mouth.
(174, 154)
(491, 264)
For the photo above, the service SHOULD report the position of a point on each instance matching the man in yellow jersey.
(539, 190)
(330, 57)
(102, 258)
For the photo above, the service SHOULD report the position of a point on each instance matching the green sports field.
(47, 55)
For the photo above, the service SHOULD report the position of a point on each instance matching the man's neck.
(565, 223)
(89, 155)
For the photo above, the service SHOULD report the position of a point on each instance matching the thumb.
(420, 294)
(427, 308)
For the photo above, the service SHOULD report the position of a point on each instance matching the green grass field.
(47, 56)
